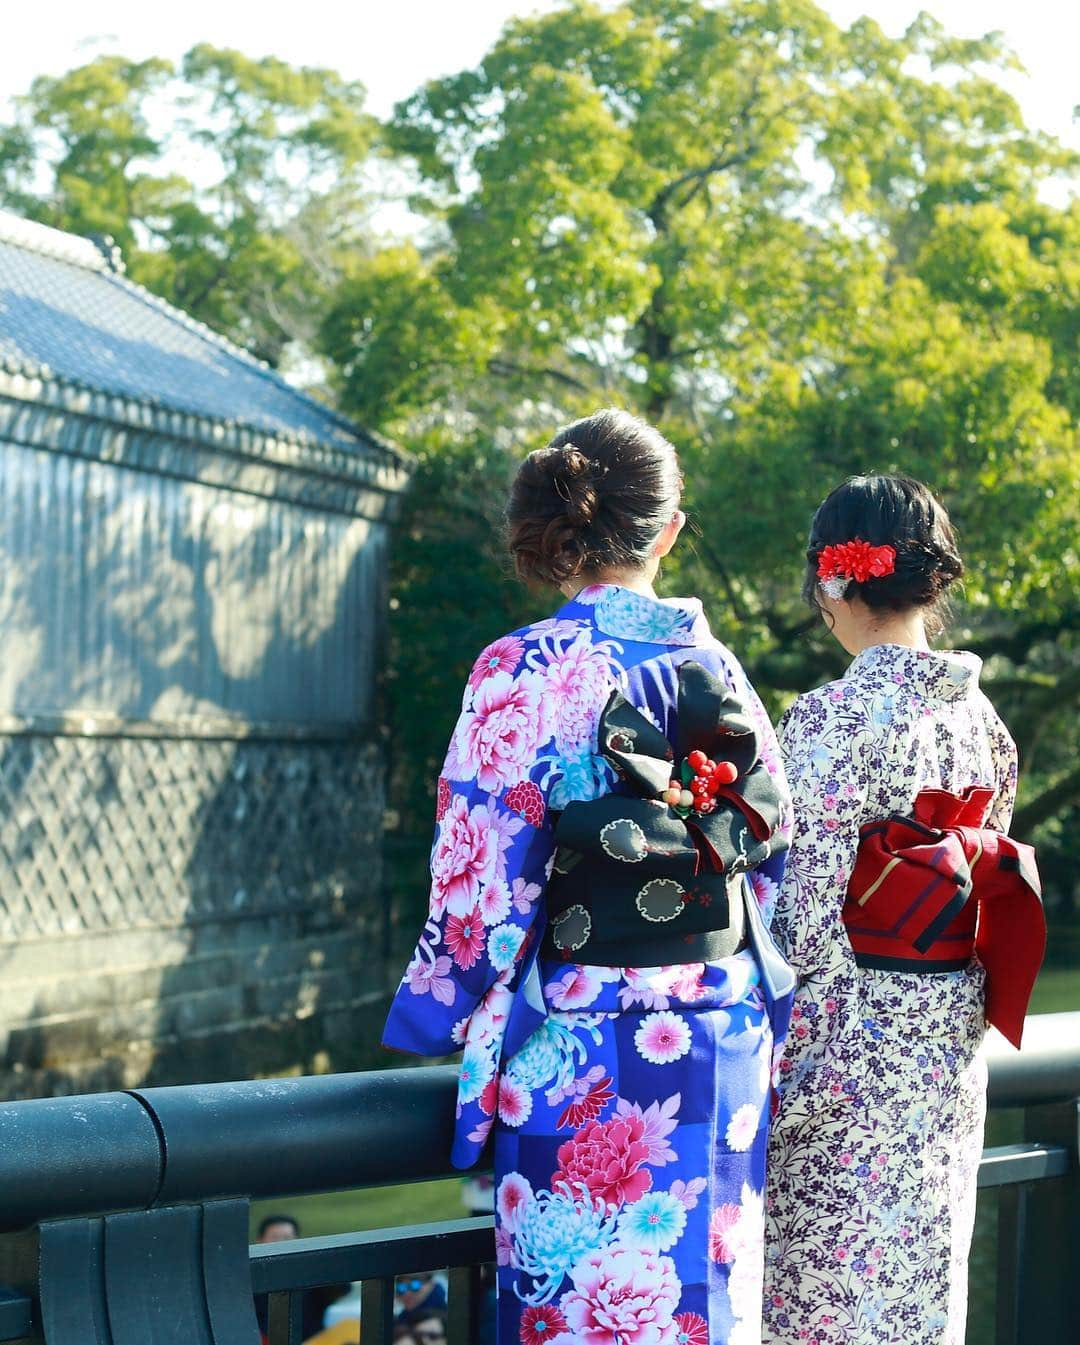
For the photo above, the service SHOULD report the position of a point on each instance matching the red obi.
(930, 890)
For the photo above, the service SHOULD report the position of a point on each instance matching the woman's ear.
(829, 608)
(669, 534)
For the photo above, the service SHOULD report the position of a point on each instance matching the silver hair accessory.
(835, 587)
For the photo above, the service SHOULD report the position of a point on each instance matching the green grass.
(1056, 990)
(379, 1207)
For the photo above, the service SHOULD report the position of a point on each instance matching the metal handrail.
(1046, 1070)
(135, 1205)
(159, 1146)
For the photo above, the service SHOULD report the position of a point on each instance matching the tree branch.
(1016, 644)
(1042, 699)
(720, 164)
(498, 366)
(1045, 805)
(715, 563)
(723, 160)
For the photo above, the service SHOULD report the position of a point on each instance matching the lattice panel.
(118, 833)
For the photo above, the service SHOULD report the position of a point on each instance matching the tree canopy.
(803, 250)
(231, 185)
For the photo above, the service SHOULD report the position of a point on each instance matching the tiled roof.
(66, 313)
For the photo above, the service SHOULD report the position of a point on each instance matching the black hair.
(272, 1219)
(899, 512)
(597, 497)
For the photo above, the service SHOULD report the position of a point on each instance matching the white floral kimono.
(875, 1148)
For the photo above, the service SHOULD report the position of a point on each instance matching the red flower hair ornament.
(838, 565)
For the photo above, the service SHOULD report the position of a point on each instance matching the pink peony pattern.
(465, 858)
(578, 681)
(606, 1158)
(498, 740)
(623, 1296)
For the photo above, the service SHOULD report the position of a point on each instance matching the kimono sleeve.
(490, 861)
(1003, 750)
(824, 753)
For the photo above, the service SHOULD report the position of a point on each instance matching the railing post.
(285, 1317)
(19, 1260)
(377, 1310)
(1049, 1307)
(464, 1305)
(1012, 1226)
(173, 1276)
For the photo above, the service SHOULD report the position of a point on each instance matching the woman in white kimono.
(910, 919)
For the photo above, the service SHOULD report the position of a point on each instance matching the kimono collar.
(627, 615)
(949, 675)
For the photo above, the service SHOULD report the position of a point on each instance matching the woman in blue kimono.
(612, 821)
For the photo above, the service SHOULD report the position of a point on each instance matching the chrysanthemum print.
(615, 1204)
(629, 1104)
(662, 1037)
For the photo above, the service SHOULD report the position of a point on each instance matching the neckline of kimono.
(937, 674)
(693, 628)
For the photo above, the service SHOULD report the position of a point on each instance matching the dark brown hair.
(596, 498)
(902, 513)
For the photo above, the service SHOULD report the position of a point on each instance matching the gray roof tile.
(64, 311)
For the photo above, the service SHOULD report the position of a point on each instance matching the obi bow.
(648, 878)
(930, 889)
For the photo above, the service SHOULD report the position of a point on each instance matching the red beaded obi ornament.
(839, 564)
(930, 890)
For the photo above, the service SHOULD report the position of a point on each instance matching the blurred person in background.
(285, 1228)
(415, 1293)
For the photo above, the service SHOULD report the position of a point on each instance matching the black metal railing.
(124, 1216)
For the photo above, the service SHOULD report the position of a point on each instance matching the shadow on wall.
(189, 901)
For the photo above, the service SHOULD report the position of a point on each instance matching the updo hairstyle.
(899, 512)
(597, 498)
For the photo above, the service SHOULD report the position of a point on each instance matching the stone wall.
(181, 909)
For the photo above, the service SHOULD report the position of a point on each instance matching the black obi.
(639, 882)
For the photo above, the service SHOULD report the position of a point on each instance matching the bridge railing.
(124, 1216)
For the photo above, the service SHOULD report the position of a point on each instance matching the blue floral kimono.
(630, 1103)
